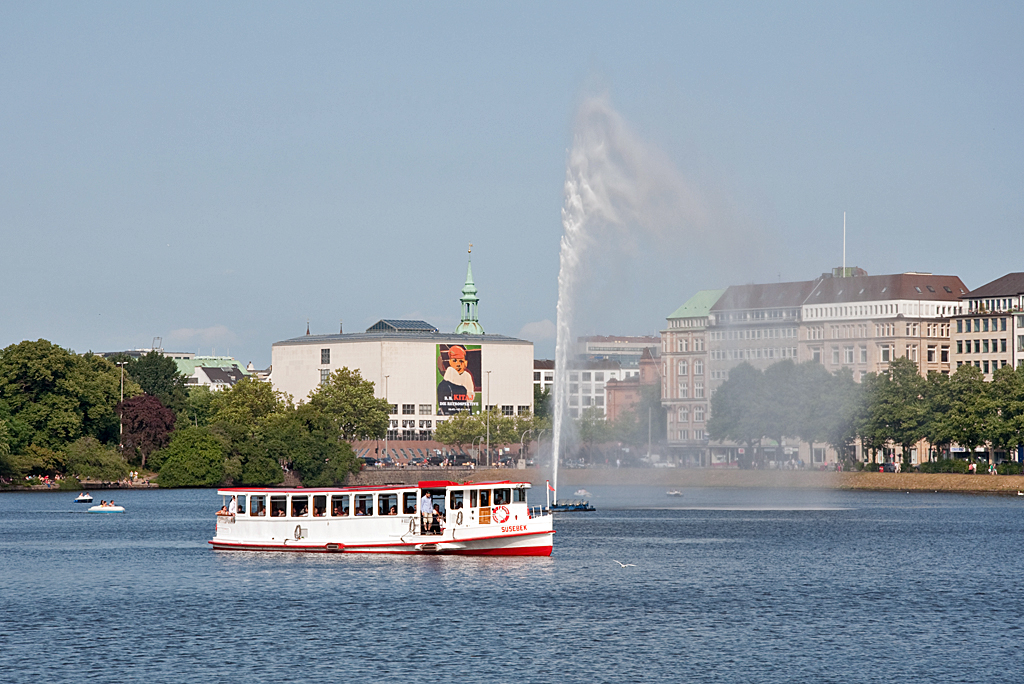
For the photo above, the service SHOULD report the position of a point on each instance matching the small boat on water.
(84, 497)
(582, 493)
(571, 506)
(106, 509)
(479, 518)
(674, 492)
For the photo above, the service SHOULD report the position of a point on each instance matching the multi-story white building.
(425, 375)
(989, 332)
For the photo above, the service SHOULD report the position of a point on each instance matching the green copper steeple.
(470, 324)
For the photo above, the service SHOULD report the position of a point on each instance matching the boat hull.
(535, 544)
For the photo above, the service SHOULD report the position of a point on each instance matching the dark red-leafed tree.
(147, 426)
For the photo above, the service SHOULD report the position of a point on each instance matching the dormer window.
(930, 288)
(946, 288)
(918, 289)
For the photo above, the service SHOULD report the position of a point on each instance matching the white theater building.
(407, 362)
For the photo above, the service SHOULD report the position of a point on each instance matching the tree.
(344, 405)
(52, 396)
(459, 429)
(542, 401)
(898, 410)
(734, 409)
(194, 458)
(147, 426)
(592, 428)
(1007, 395)
(89, 459)
(249, 402)
(158, 376)
(970, 412)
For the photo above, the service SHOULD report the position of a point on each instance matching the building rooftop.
(1009, 285)
(766, 296)
(398, 325)
(403, 335)
(920, 286)
(698, 305)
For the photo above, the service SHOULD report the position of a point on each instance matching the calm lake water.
(729, 585)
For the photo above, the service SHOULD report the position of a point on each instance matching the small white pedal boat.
(106, 509)
(84, 498)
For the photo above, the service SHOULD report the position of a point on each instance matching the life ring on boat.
(500, 514)
(298, 532)
(458, 518)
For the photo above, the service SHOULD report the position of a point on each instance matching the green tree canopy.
(194, 458)
(89, 459)
(344, 405)
(51, 396)
(158, 376)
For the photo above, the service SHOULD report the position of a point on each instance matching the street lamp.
(120, 416)
(476, 446)
(488, 419)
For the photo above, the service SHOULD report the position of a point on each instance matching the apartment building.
(989, 333)
(865, 322)
(684, 377)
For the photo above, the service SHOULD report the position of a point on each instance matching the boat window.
(339, 505)
(364, 504)
(502, 496)
(472, 498)
(520, 494)
(387, 504)
(278, 506)
(409, 503)
(257, 505)
(300, 506)
(485, 497)
(455, 500)
(241, 504)
(319, 505)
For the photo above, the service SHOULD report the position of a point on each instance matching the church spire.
(470, 324)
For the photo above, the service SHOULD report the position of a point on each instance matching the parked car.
(887, 468)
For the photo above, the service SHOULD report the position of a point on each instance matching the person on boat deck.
(233, 506)
(393, 511)
(437, 518)
(426, 511)
(223, 511)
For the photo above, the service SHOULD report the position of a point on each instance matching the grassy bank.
(675, 478)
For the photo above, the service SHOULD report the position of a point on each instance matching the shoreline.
(667, 477)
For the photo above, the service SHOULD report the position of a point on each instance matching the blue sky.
(218, 175)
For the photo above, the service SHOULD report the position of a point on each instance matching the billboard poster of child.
(458, 378)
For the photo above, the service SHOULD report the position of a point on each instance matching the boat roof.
(393, 486)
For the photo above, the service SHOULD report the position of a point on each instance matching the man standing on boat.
(426, 512)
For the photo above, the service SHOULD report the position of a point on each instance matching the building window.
(816, 354)
(536, 376)
(698, 390)
(408, 409)
(574, 377)
(523, 410)
(698, 368)
(683, 434)
(985, 365)
(424, 423)
(325, 356)
(586, 401)
(931, 353)
(863, 354)
(684, 390)
(325, 373)
(393, 410)
(599, 377)
(586, 377)
(1002, 324)
(408, 423)
(683, 368)
(848, 353)
(698, 434)
(508, 410)
(945, 355)
(1002, 345)
(835, 356)
(886, 353)
(984, 347)
(984, 325)
(682, 345)
(426, 409)
(977, 325)
(684, 414)
(959, 347)
(959, 326)
(598, 401)
(698, 414)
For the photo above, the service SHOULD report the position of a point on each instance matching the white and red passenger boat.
(480, 518)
